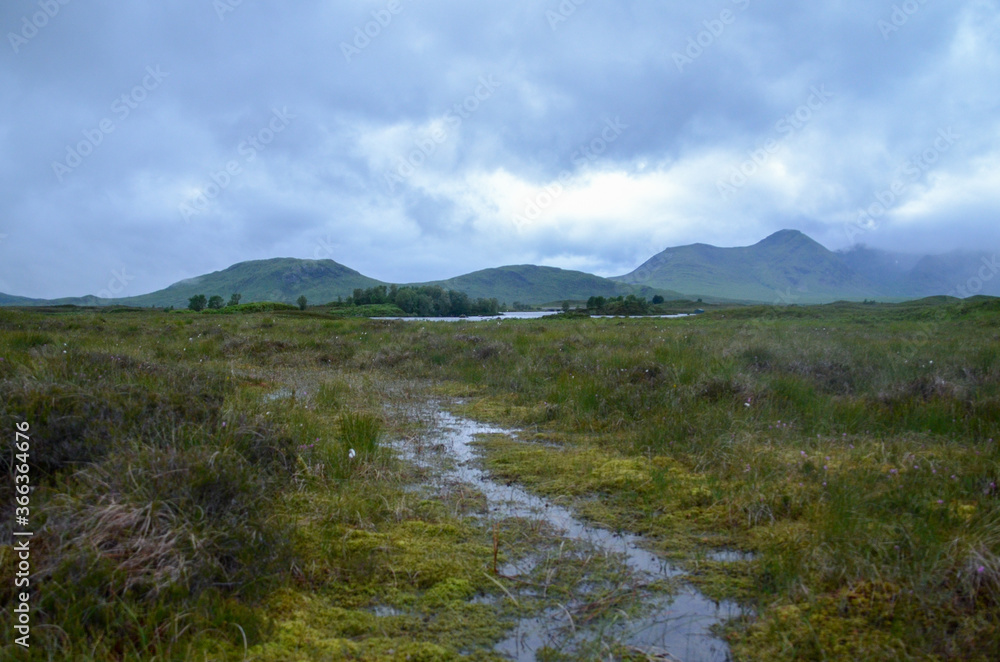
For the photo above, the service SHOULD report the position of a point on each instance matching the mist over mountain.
(789, 267)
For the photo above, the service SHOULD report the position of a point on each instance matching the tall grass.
(361, 432)
(853, 449)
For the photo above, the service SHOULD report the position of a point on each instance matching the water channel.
(672, 625)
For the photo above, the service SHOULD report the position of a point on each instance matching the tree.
(215, 302)
(565, 306)
(197, 302)
(425, 304)
(234, 300)
(302, 302)
(406, 299)
(657, 299)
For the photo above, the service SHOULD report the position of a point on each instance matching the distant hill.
(11, 300)
(910, 276)
(321, 281)
(279, 279)
(535, 285)
(787, 267)
(956, 274)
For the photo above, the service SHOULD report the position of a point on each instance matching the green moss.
(446, 592)
(866, 456)
(834, 627)
(620, 473)
(719, 580)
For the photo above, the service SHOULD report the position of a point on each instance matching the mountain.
(285, 279)
(534, 285)
(11, 300)
(786, 267)
(958, 274)
(278, 279)
(789, 267)
(889, 272)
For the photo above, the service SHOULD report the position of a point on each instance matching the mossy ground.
(194, 489)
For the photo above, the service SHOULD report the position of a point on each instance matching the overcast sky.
(146, 142)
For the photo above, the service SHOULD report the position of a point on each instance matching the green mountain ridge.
(322, 281)
(785, 268)
(531, 284)
(277, 279)
(790, 267)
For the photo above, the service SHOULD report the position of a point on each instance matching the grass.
(195, 488)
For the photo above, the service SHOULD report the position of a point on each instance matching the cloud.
(423, 133)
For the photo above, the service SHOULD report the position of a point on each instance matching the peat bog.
(285, 485)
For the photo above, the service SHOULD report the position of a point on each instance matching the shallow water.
(528, 315)
(521, 316)
(677, 624)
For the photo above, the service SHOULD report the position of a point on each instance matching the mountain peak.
(787, 263)
(784, 237)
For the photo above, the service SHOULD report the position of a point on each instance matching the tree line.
(200, 302)
(621, 305)
(425, 300)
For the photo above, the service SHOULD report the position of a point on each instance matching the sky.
(148, 142)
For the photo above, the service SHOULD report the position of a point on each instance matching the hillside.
(285, 279)
(278, 279)
(786, 267)
(11, 300)
(957, 274)
(534, 285)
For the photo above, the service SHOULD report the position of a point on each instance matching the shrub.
(197, 303)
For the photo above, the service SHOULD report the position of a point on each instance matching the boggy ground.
(195, 498)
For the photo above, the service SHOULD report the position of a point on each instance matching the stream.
(670, 626)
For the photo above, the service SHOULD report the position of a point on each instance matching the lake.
(512, 316)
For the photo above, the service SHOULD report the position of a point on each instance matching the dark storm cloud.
(415, 141)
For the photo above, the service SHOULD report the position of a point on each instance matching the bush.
(197, 303)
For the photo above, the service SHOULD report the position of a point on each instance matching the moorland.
(230, 487)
